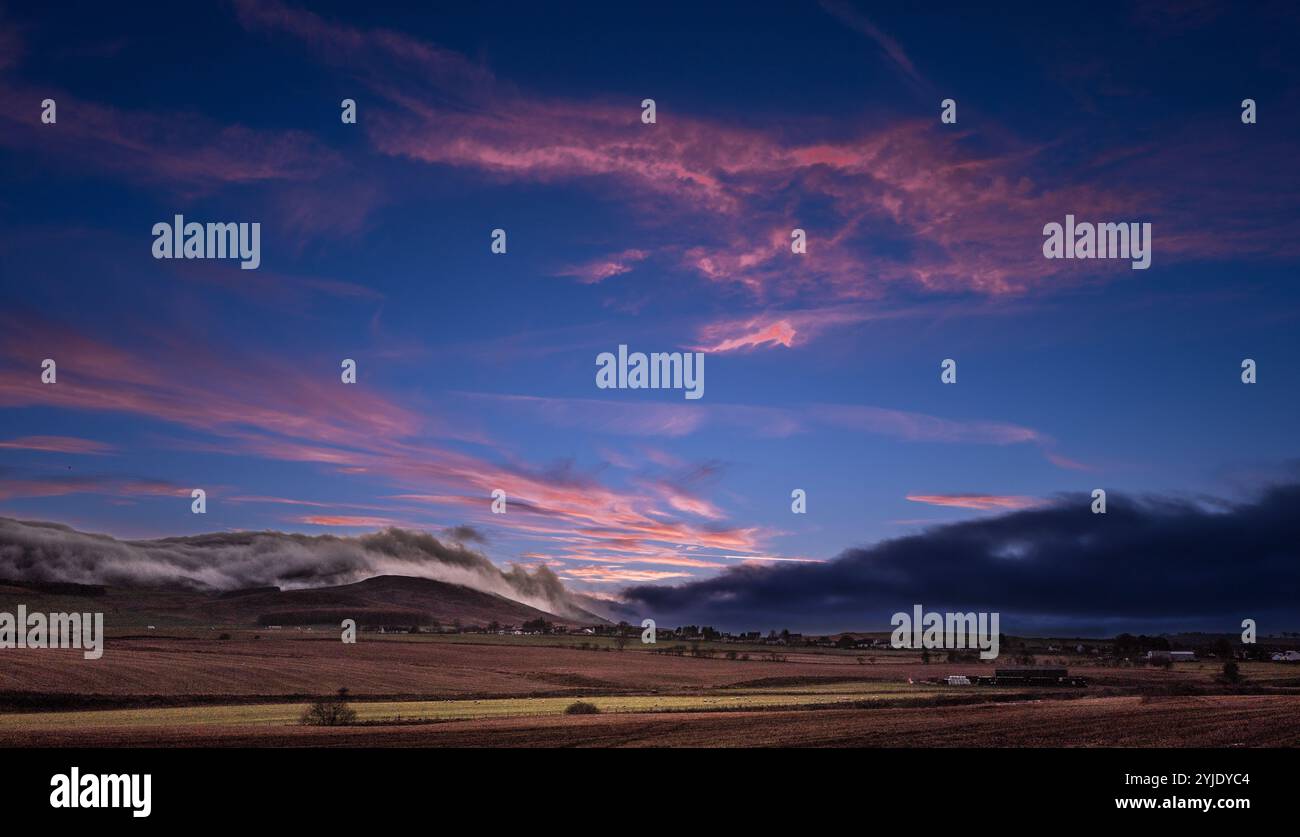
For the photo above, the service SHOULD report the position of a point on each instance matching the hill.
(382, 600)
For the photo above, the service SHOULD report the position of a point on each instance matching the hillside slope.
(382, 600)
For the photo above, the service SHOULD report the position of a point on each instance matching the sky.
(476, 370)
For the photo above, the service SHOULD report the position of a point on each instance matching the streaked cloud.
(58, 444)
(979, 502)
(598, 270)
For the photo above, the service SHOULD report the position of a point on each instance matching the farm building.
(1031, 677)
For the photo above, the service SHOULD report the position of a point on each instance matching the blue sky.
(476, 370)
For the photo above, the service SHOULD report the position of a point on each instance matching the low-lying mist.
(50, 552)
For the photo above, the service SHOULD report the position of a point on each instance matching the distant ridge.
(386, 600)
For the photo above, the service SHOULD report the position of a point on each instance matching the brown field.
(1216, 721)
(193, 690)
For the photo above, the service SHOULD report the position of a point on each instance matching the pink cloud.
(690, 504)
(279, 413)
(981, 502)
(57, 444)
(350, 521)
(111, 486)
(618, 575)
(1065, 462)
(601, 269)
(779, 333)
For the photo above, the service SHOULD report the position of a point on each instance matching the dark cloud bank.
(1149, 565)
(31, 551)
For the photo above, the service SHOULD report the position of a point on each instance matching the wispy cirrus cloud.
(58, 444)
(674, 419)
(60, 485)
(347, 521)
(186, 154)
(978, 502)
(177, 151)
(250, 405)
(777, 333)
(616, 574)
(920, 427)
(598, 270)
(786, 328)
(903, 207)
(857, 21)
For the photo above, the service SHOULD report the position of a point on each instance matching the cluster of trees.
(1126, 644)
(707, 632)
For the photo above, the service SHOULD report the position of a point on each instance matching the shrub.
(581, 707)
(330, 712)
(1231, 672)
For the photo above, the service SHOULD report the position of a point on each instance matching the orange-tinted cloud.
(980, 502)
(779, 333)
(253, 406)
(350, 521)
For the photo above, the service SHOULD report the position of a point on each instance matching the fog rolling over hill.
(301, 564)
